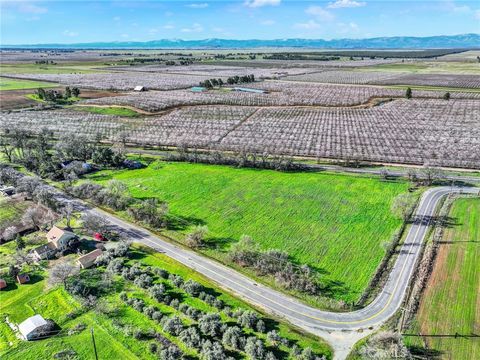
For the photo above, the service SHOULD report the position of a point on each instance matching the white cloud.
(168, 27)
(309, 25)
(29, 8)
(197, 6)
(70, 33)
(477, 14)
(194, 28)
(267, 22)
(451, 6)
(346, 4)
(320, 13)
(260, 3)
(116, 18)
(125, 36)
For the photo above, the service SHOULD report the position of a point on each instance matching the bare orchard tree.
(430, 174)
(45, 195)
(93, 223)
(60, 273)
(9, 233)
(28, 185)
(67, 212)
(385, 345)
(33, 216)
(412, 175)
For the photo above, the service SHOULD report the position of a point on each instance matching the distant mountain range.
(398, 42)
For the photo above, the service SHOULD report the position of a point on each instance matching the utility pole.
(94, 346)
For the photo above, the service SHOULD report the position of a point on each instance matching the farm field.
(281, 94)
(391, 78)
(107, 110)
(120, 80)
(14, 69)
(399, 131)
(114, 329)
(450, 303)
(301, 213)
(461, 63)
(15, 84)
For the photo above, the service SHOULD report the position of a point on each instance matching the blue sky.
(31, 22)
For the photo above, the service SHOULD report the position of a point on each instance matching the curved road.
(302, 315)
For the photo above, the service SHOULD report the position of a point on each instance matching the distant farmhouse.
(140, 88)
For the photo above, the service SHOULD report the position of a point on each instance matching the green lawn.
(451, 303)
(335, 223)
(10, 211)
(16, 84)
(110, 110)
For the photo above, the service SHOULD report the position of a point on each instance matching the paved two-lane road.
(302, 315)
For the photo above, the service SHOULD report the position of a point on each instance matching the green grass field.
(16, 84)
(451, 302)
(111, 110)
(428, 67)
(73, 68)
(10, 211)
(335, 223)
(23, 301)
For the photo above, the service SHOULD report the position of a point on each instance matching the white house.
(60, 238)
(31, 327)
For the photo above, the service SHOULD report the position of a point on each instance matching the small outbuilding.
(33, 327)
(23, 278)
(198, 89)
(60, 238)
(3, 284)
(139, 88)
(132, 164)
(88, 260)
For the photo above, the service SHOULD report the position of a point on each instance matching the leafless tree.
(61, 272)
(430, 174)
(9, 233)
(67, 212)
(33, 216)
(93, 223)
